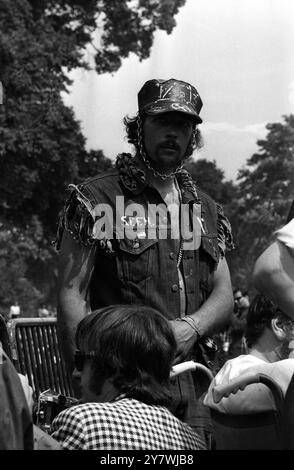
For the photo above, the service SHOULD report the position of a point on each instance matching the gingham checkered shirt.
(125, 424)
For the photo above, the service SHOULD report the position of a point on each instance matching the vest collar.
(134, 178)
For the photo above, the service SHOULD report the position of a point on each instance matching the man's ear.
(278, 329)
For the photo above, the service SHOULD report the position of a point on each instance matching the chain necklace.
(180, 253)
(163, 176)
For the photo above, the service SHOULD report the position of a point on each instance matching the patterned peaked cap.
(161, 96)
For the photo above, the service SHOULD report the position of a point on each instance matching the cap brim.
(160, 108)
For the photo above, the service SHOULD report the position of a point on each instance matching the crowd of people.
(44, 311)
(144, 285)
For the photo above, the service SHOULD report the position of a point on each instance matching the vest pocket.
(135, 258)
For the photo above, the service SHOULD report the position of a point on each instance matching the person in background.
(43, 312)
(237, 325)
(123, 362)
(14, 311)
(52, 311)
(269, 336)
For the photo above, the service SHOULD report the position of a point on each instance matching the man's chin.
(168, 153)
(167, 162)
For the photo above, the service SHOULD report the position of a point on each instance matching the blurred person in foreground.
(16, 425)
(274, 270)
(270, 340)
(123, 362)
(6, 348)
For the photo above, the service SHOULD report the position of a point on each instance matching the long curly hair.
(131, 125)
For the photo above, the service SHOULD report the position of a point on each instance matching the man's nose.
(171, 131)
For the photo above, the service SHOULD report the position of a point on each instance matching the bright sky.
(238, 54)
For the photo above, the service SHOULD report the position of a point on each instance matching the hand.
(185, 338)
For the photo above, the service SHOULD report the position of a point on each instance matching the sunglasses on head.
(80, 358)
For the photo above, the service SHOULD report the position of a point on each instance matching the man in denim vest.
(143, 233)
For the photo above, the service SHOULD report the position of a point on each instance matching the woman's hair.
(134, 347)
(260, 314)
(131, 124)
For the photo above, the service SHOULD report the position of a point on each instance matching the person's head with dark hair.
(237, 297)
(164, 131)
(132, 125)
(125, 349)
(268, 331)
(241, 300)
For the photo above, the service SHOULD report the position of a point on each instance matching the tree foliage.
(265, 193)
(211, 179)
(41, 144)
(109, 29)
(259, 202)
(17, 247)
(42, 148)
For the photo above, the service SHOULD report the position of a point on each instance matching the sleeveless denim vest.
(144, 270)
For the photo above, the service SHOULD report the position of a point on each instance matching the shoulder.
(206, 198)
(254, 397)
(105, 181)
(213, 211)
(105, 176)
(287, 365)
(281, 372)
(237, 366)
(80, 209)
(75, 421)
(286, 235)
(82, 411)
(85, 412)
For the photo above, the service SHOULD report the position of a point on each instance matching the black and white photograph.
(146, 228)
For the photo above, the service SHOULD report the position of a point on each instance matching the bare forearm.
(279, 287)
(273, 276)
(76, 264)
(267, 268)
(217, 309)
(210, 317)
(71, 310)
(215, 312)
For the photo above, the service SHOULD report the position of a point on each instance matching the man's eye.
(165, 121)
(186, 124)
(160, 120)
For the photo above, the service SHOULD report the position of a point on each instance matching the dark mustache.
(170, 144)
